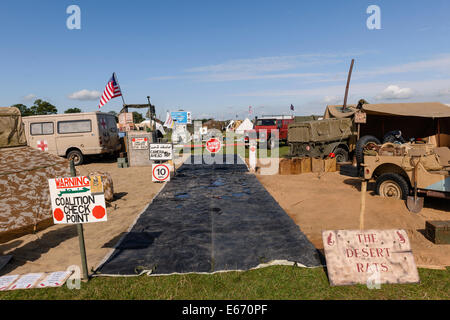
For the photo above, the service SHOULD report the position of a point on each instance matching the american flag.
(169, 121)
(112, 91)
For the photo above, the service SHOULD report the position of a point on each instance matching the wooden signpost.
(364, 256)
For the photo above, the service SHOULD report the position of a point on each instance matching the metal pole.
(80, 234)
(121, 93)
(150, 114)
(348, 83)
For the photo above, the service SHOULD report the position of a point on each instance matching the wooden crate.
(330, 165)
(285, 166)
(438, 231)
(305, 165)
(317, 165)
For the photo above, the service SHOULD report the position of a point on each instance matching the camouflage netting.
(12, 133)
(24, 193)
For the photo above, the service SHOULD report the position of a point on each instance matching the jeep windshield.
(266, 122)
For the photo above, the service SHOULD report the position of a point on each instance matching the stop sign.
(213, 145)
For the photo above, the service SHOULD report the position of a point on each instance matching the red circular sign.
(58, 214)
(98, 212)
(159, 166)
(213, 145)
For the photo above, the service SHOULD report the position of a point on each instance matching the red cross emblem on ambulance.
(42, 144)
(103, 122)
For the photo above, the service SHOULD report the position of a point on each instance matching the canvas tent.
(418, 120)
(24, 173)
(245, 125)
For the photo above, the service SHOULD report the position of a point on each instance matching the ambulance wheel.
(76, 156)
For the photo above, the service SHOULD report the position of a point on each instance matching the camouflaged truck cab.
(320, 138)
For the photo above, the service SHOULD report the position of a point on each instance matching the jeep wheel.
(392, 185)
(363, 143)
(341, 155)
(76, 156)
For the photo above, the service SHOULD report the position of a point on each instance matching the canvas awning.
(431, 110)
(417, 109)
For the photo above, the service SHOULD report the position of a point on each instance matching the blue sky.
(216, 58)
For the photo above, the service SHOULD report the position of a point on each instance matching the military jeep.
(321, 138)
(392, 167)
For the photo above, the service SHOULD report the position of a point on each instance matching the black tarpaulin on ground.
(210, 218)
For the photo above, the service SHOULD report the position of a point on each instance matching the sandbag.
(107, 181)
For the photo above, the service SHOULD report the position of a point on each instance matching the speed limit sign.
(160, 172)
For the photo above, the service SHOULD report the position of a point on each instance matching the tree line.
(42, 107)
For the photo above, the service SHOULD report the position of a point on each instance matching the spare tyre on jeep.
(362, 144)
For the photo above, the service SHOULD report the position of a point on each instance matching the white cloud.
(444, 92)
(274, 67)
(85, 95)
(332, 99)
(440, 63)
(395, 92)
(29, 97)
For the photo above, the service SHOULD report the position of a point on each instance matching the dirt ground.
(315, 204)
(333, 202)
(57, 247)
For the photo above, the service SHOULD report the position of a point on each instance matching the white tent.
(146, 123)
(245, 125)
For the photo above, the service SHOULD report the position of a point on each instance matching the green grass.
(277, 282)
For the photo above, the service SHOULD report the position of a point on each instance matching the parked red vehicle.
(266, 126)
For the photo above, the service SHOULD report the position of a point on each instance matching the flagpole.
(121, 92)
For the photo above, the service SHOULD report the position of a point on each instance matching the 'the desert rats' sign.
(369, 256)
(77, 200)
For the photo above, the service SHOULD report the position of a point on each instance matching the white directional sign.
(161, 151)
(160, 172)
(73, 202)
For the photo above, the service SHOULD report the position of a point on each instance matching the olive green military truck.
(321, 138)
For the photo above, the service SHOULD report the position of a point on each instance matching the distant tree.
(24, 110)
(42, 107)
(73, 110)
(137, 117)
(113, 113)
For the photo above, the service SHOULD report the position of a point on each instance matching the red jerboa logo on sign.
(213, 145)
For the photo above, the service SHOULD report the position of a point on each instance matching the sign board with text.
(181, 117)
(73, 202)
(363, 256)
(161, 151)
(139, 143)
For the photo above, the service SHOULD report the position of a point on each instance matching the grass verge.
(276, 282)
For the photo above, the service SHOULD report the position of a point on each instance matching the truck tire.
(76, 156)
(361, 144)
(341, 155)
(392, 185)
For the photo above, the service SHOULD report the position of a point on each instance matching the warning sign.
(139, 143)
(160, 172)
(73, 202)
(369, 256)
(161, 151)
